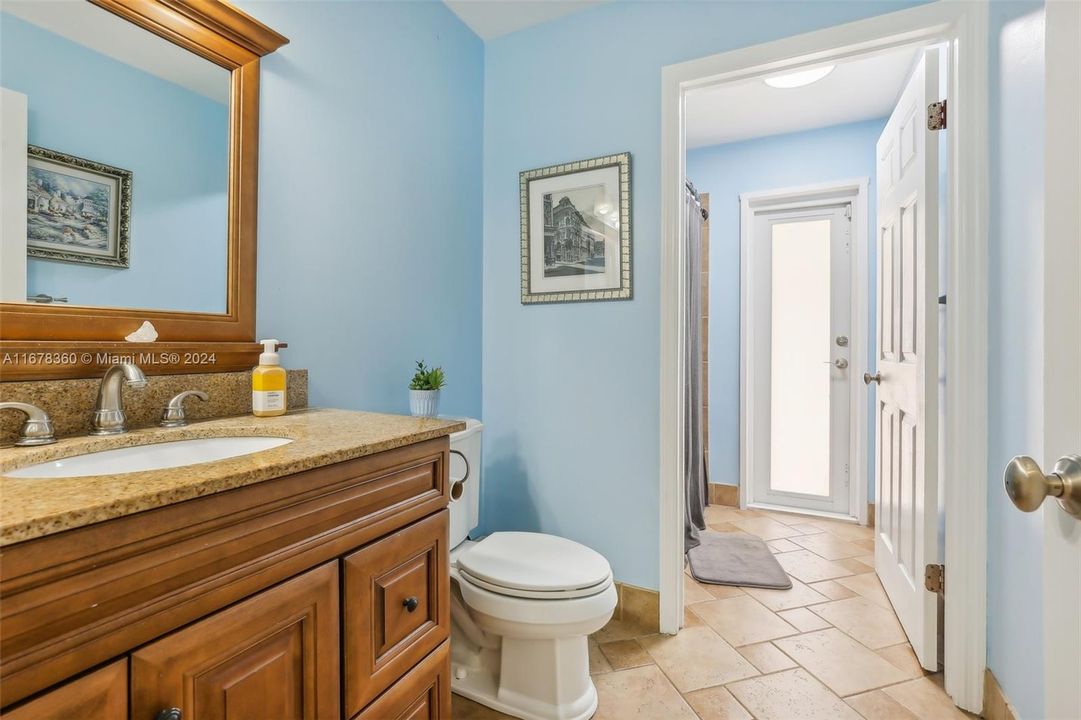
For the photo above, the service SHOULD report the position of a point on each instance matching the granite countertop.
(35, 507)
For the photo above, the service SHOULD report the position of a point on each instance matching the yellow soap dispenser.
(268, 382)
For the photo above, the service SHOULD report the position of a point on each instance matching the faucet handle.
(38, 428)
(173, 415)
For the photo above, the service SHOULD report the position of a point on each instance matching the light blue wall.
(173, 140)
(841, 152)
(370, 199)
(1015, 539)
(571, 391)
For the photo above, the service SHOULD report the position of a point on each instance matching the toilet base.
(478, 679)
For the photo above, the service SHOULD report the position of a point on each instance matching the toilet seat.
(535, 566)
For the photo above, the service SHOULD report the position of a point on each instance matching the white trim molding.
(853, 192)
(963, 26)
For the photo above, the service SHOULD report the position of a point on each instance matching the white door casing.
(1062, 354)
(906, 352)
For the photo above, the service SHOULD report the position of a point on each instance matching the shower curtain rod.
(697, 198)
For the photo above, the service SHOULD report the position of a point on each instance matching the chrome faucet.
(108, 417)
(38, 428)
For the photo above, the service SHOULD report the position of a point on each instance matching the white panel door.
(906, 415)
(1062, 355)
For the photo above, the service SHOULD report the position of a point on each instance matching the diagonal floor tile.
(694, 592)
(840, 662)
(925, 699)
(697, 658)
(832, 589)
(642, 693)
(788, 695)
(716, 703)
(857, 565)
(623, 654)
(766, 657)
(766, 528)
(782, 545)
(871, 624)
(867, 585)
(796, 596)
(722, 591)
(828, 546)
(844, 530)
(877, 705)
(903, 658)
(742, 620)
(620, 630)
(807, 528)
(719, 514)
(803, 619)
(808, 567)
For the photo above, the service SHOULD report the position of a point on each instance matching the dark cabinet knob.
(410, 603)
(169, 714)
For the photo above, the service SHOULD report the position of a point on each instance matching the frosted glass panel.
(800, 396)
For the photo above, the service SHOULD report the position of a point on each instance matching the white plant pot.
(424, 403)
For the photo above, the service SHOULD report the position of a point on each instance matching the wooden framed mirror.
(82, 236)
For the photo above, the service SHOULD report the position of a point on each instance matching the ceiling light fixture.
(800, 78)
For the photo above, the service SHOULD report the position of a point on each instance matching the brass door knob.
(868, 378)
(1027, 485)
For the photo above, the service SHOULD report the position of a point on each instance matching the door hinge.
(936, 116)
(848, 211)
(934, 579)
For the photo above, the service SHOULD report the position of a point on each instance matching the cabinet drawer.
(396, 605)
(274, 655)
(101, 695)
(423, 694)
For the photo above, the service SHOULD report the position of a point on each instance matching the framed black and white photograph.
(576, 231)
(77, 210)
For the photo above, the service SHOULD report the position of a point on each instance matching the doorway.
(962, 28)
(801, 342)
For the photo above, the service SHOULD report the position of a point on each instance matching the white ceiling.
(108, 34)
(492, 18)
(861, 89)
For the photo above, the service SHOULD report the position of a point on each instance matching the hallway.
(829, 648)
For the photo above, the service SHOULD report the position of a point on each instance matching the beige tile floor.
(829, 648)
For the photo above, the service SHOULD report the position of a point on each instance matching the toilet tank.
(465, 510)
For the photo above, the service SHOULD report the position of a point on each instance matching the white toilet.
(522, 607)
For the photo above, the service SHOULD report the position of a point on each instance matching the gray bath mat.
(731, 559)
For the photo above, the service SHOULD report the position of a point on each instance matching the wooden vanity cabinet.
(272, 655)
(99, 695)
(320, 595)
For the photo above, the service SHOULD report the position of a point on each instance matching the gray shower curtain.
(694, 462)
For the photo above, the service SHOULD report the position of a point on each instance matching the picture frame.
(77, 210)
(576, 231)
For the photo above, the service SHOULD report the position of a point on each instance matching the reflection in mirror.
(125, 163)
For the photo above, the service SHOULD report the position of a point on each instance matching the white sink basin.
(157, 456)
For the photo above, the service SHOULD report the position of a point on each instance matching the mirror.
(126, 190)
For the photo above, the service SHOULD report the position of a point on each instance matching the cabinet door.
(423, 694)
(396, 605)
(273, 656)
(100, 695)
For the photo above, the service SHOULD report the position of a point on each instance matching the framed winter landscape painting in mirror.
(576, 231)
(77, 210)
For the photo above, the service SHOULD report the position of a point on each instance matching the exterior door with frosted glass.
(804, 310)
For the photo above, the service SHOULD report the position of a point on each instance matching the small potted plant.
(424, 390)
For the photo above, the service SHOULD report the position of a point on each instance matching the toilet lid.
(534, 562)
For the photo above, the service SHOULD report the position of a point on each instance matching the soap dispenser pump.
(268, 391)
